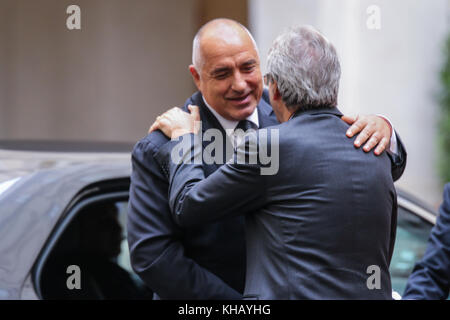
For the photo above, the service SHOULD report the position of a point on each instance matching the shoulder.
(149, 145)
(445, 208)
(195, 99)
(269, 136)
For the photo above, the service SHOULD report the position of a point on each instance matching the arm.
(156, 251)
(232, 189)
(430, 278)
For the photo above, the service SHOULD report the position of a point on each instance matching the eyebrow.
(249, 62)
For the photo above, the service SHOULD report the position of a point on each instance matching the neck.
(287, 114)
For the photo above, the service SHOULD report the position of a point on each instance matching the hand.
(374, 127)
(176, 122)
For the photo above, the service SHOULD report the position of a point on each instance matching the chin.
(241, 115)
(245, 112)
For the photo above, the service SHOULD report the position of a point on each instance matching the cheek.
(256, 82)
(216, 89)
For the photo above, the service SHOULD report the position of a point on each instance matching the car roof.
(19, 158)
(66, 146)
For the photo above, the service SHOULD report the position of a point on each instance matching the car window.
(91, 260)
(124, 257)
(410, 246)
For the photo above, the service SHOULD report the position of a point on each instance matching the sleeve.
(156, 251)
(430, 278)
(235, 188)
(398, 160)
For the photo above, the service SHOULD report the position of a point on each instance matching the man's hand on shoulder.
(176, 122)
(376, 130)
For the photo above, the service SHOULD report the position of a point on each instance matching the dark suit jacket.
(315, 227)
(430, 278)
(203, 262)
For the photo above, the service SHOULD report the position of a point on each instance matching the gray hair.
(306, 68)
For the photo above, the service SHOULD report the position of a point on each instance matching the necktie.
(244, 125)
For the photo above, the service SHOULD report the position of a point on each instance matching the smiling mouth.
(241, 100)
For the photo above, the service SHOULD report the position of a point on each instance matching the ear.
(276, 95)
(195, 75)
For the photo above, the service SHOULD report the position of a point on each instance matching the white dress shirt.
(230, 125)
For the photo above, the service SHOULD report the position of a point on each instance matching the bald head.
(225, 31)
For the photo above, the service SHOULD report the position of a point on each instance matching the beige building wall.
(3, 66)
(107, 81)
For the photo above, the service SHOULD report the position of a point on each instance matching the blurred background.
(129, 62)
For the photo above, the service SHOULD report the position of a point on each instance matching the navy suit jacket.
(430, 278)
(202, 262)
(316, 226)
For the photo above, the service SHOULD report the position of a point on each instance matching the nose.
(239, 84)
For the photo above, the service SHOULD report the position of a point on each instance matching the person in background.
(430, 279)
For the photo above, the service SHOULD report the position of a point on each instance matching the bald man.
(208, 261)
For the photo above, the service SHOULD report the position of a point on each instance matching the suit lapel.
(266, 115)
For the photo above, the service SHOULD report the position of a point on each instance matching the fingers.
(374, 131)
(357, 126)
(162, 123)
(175, 118)
(155, 125)
(373, 141)
(382, 146)
(195, 112)
(365, 134)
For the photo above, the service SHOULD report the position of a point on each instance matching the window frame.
(78, 204)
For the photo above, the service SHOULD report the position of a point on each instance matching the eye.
(221, 75)
(248, 68)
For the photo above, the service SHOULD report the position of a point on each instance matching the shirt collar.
(230, 125)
